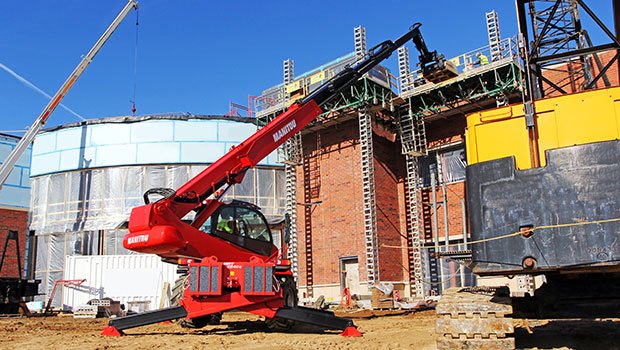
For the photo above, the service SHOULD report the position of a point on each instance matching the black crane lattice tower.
(559, 44)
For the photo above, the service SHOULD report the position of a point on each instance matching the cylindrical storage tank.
(87, 176)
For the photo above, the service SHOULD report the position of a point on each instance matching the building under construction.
(498, 168)
(375, 187)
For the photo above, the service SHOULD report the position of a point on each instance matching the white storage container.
(124, 278)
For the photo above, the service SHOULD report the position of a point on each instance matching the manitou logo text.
(285, 130)
(137, 239)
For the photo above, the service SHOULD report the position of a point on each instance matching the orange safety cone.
(345, 300)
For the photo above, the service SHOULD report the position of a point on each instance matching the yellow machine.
(563, 121)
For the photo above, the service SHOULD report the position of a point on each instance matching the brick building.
(330, 208)
(413, 194)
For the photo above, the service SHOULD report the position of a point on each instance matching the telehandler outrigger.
(232, 261)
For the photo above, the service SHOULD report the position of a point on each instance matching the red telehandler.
(227, 247)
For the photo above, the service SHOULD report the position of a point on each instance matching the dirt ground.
(242, 331)
(237, 331)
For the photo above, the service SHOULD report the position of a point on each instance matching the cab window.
(252, 225)
(242, 222)
(206, 227)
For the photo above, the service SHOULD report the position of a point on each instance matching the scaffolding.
(292, 150)
(413, 143)
(494, 35)
(360, 41)
(476, 87)
(416, 263)
(418, 102)
(413, 133)
(404, 68)
(368, 192)
(289, 71)
(307, 205)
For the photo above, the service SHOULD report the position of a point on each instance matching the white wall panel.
(193, 152)
(45, 163)
(152, 131)
(44, 143)
(115, 155)
(195, 130)
(158, 153)
(124, 278)
(109, 134)
(139, 142)
(71, 138)
(230, 131)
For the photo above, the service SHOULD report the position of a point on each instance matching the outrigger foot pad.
(320, 318)
(116, 326)
(351, 331)
(111, 331)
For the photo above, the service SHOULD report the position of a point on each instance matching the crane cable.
(518, 233)
(135, 65)
(514, 234)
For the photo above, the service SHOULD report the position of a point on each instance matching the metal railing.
(280, 96)
(467, 64)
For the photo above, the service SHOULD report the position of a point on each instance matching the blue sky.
(196, 56)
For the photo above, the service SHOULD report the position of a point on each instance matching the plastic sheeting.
(453, 166)
(51, 252)
(102, 199)
(77, 213)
